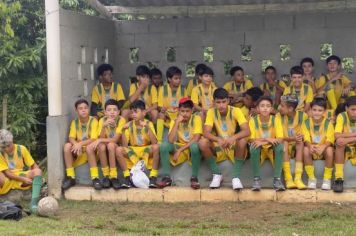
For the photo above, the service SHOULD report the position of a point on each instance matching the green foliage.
(134, 56)
(284, 51)
(326, 50)
(22, 60)
(347, 64)
(246, 51)
(208, 54)
(171, 54)
(190, 69)
(227, 66)
(79, 6)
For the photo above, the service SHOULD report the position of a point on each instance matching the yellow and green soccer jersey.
(20, 160)
(305, 95)
(318, 134)
(100, 95)
(191, 84)
(344, 124)
(293, 126)
(231, 86)
(138, 137)
(246, 112)
(225, 126)
(168, 98)
(272, 89)
(273, 129)
(335, 89)
(186, 131)
(202, 97)
(111, 131)
(81, 132)
(149, 96)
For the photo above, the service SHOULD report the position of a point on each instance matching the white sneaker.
(312, 184)
(236, 184)
(326, 184)
(215, 183)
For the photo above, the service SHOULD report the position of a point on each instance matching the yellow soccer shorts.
(134, 154)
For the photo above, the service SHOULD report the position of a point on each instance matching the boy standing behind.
(273, 87)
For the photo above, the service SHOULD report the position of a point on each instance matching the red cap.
(184, 100)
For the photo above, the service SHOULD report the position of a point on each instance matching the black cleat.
(126, 184)
(165, 182)
(106, 182)
(256, 185)
(96, 184)
(115, 183)
(338, 186)
(68, 182)
(153, 182)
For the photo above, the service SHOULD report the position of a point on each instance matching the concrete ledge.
(183, 194)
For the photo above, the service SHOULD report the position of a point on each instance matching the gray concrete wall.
(304, 32)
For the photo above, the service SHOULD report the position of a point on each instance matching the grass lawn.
(228, 218)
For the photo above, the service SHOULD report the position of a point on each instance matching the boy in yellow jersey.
(145, 92)
(18, 170)
(221, 138)
(292, 121)
(139, 141)
(168, 97)
(196, 80)
(202, 94)
(237, 86)
(156, 78)
(249, 100)
(335, 85)
(303, 91)
(183, 137)
(307, 64)
(272, 87)
(105, 90)
(83, 131)
(345, 139)
(318, 134)
(109, 134)
(266, 141)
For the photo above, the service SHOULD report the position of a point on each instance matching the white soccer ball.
(47, 206)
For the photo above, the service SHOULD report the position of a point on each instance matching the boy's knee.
(67, 147)
(155, 148)
(90, 149)
(165, 145)
(111, 146)
(37, 172)
(2, 179)
(204, 143)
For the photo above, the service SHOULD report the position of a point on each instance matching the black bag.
(10, 211)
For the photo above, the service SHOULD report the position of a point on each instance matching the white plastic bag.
(138, 176)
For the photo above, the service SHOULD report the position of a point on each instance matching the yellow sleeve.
(306, 133)
(153, 94)
(100, 125)
(94, 129)
(195, 96)
(278, 127)
(330, 135)
(249, 84)
(339, 127)
(198, 126)
(286, 91)
(239, 116)
(252, 125)
(209, 120)
(3, 163)
(282, 84)
(122, 122)
(320, 82)
(310, 95)
(127, 135)
(151, 126)
(171, 124)
(72, 130)
(95, 95)
(132, 89)
(120, 93)
(26, 156)
(160, 97)
(227, 86)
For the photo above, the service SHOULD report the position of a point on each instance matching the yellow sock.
(105, 171)
(286, 171)
(310, 171)
(339, 171)
(113, 173)
(298, 170)
(70, 172)
(160, 128)
(327, 173)
(94, 172)
(154, 173)
(126, 173)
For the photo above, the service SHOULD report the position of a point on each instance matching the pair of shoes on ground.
(167, 181)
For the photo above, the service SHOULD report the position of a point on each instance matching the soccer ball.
(47, 206)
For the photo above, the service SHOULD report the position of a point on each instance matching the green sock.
(237, 167)
(36, 190)
(164, 150)
(255, 161)
(196, 157)
(213, 166)
(278, 152)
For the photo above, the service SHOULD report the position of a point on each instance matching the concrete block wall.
(305, 32)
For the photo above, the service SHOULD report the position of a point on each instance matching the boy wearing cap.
(184, 134)
(18, 170)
